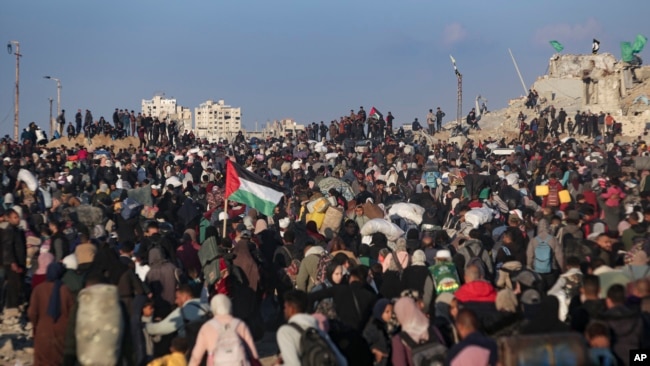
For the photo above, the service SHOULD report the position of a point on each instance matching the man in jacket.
(471, 248)
(188, 309)
(474, 348)
(306, 278)
(14, 261)
(288, 336)
(625, 323)
(534, 256)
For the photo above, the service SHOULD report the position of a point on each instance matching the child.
(377, 332)
(600, 352)
(147, 317)
(176, 357)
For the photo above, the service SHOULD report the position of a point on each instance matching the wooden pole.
(225, 220)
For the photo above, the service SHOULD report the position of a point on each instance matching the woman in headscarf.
(44, 260)
(391, 281)
(333, 277)
(188, 252)
(221, 307)
(49, 308)
(244, 260)
(401, 254)
(377, 332)
(415, 329)
(417, 277)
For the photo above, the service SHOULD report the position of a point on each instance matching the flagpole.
(518, 73)
(225, 220)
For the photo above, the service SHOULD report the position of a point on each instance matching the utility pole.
(10, 46)
(58, 93)
(459, 101)
(51, 120)
(518, 73)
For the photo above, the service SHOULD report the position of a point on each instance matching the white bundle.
(408, 211)
(392, 231)
(479, 216)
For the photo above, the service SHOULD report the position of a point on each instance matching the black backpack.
(314, 348)
(428, 353)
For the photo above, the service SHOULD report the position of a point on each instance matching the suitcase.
(556, 349)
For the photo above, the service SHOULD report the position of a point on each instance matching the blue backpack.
(431, 178)
(543, 257)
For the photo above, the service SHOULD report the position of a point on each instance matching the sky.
(307, 60)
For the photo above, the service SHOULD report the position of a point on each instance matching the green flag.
(557, 45)
(627, 54)
(639, 42)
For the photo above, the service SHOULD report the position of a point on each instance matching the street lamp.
(10, 49)
(58, 95)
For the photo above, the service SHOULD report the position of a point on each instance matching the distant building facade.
(167, 108)
(217, 120)
(282, 127)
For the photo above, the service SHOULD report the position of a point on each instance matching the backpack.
(428, 353)
(321, 272)
(230, 349)
(314, 348)
(543, 257)
(431, 179)
(131, 208)
(290, 272)
(572, 285)
(575, 247)
(191, 327)
(477, 260)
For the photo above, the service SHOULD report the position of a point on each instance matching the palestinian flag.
(376, 114)
(250, 189)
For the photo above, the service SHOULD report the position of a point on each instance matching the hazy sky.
(310, 60)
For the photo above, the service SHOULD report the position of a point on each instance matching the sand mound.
(96, 142)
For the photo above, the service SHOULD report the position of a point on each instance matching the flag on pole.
(557, 45)
(627, 53)
(639, 43)
(250, 189)
(453, 61)
(595, 46)
(376, 114)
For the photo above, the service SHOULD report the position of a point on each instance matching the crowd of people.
(148, 129)
(394, 253)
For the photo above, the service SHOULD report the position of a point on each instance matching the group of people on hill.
(554, 123)
(400, 253)
(148, 129)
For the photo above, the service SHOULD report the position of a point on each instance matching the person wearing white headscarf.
(221, 307)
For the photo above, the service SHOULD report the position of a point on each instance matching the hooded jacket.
(543, 233)
(306, 277)
(463, 254)
(627, 329)
(476, 291)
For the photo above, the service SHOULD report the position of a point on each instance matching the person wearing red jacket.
(554, 188)
(475, 288)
